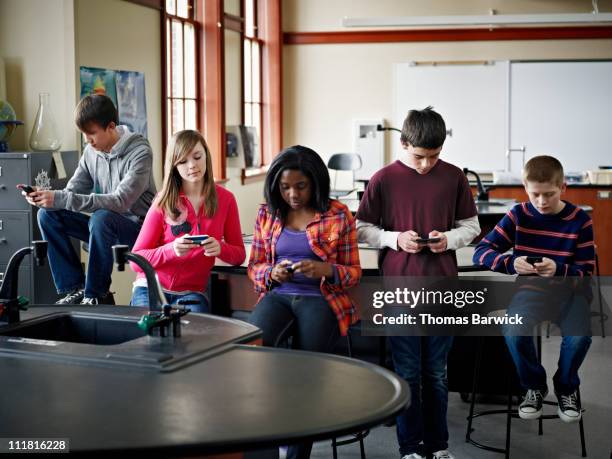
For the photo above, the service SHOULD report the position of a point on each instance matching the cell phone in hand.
(290, 269)
(27, 188)
(196, 238)
(428, 240)
(534, 260)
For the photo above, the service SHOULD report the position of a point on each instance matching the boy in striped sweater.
(561, 236)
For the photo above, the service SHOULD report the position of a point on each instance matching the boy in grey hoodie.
(114, 183)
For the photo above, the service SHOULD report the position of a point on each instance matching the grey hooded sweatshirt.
(120, 181)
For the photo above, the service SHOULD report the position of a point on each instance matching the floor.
(560, 440)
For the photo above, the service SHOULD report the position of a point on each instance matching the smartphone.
(534, 260)
(428, 240)
(290, 269)
(196, 239)
(27, 188)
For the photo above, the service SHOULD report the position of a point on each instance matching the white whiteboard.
(473, 102)
(558, 108)
(563, 109)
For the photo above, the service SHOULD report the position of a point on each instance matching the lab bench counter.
(216, 396)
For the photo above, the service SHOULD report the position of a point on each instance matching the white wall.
(326, 87)
(118, 35)
(37, 45)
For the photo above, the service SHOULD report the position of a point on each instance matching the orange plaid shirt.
(332, 236)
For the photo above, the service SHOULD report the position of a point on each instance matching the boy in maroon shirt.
(420, 196)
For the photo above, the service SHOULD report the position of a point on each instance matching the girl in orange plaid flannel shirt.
(304, 257)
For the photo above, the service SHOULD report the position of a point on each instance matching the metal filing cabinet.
(18, 224)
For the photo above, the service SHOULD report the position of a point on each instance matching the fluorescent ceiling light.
(483, 20)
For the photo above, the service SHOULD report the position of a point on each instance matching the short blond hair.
(544, 169)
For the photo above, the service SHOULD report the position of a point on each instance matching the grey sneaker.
(74, 297)
(569, 408)
(443, 454)
(106, 299)
(531, 406)
(413, 456)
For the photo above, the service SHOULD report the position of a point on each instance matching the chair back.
(347, 164)
(344, 162)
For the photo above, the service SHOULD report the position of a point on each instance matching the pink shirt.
(189, 272)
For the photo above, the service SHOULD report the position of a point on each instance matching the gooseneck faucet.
(161, 315)
(10, 304)
(157, 298)
(483, 193)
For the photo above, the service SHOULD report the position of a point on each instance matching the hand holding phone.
(196, 238)
(428, 240)
(533, 260)
(27, 188)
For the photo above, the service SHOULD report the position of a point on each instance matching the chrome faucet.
(10, 303)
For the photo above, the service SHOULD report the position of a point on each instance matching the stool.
(509, 411)
(359, 436)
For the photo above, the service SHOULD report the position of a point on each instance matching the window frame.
(167, 19)
(210, 45)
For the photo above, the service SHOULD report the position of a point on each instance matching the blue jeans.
(311, 322)
(309, 319)
(102, 230)
(421, 361)
(573, 316)
(140, 297)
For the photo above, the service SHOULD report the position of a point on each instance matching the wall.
(37, 45)
(326, 87)
(118, 35)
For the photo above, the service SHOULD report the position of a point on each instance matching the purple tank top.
(293, 246)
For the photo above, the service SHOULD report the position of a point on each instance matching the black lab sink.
(78, 328)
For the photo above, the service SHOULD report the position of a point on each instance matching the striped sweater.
(566, 238)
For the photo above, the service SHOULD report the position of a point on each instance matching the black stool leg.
(509, 418)
(362, 447)
(360, 436)
(475, 378)
(539, 351)
(581, 425)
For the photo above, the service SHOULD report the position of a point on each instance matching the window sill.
(253, 174)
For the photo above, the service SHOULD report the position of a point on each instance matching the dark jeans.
(140, 297)
(102, 230)
(309, 320)
(421, 361)
(573, 316)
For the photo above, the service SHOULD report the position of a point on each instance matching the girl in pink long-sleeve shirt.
(189, 204)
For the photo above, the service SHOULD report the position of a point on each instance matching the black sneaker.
(74, 297)
(106, 299)
(531, 406)
(569, 407)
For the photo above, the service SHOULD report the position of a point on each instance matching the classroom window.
(252, 45)
(181, 66)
